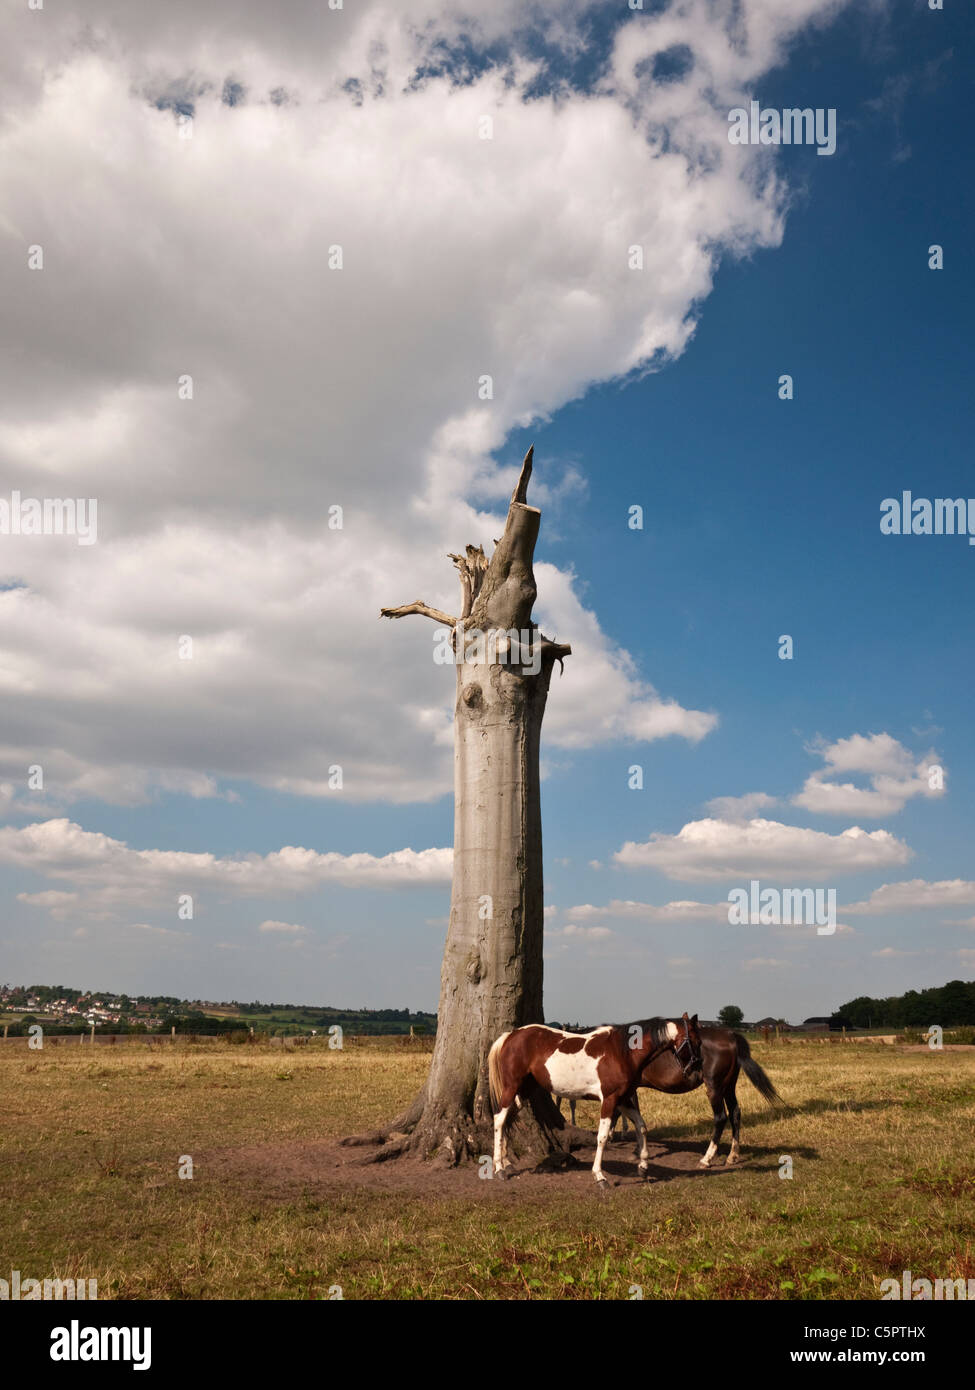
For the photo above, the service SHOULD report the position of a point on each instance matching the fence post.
(93, 1032)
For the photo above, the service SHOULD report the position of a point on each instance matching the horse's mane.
(655, 1028)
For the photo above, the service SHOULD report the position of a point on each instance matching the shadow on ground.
(325, 1166)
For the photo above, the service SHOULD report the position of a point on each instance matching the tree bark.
(491, 979)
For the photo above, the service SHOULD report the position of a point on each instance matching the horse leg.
(734, 1111)
(508, 1097)
(629, 1106)
(499, 1119)
(606, 1112)
(618, 1119)
(716, 1097)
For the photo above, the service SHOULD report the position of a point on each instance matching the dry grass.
(90, 1140)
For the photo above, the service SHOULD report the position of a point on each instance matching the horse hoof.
(704, 1163)
(731, 1160)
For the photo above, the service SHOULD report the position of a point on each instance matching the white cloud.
(877, 754)
(709, 849)
(315, 387)
(895, 777)
(60, 904)
(110, 875)
(915, 894)
(571, 930)
(272, 926)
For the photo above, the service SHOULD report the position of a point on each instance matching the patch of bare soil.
(324, 1166)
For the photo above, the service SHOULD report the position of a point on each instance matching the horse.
(603, 1065)
(722, 1054)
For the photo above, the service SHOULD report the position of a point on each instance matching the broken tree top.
(500, 592)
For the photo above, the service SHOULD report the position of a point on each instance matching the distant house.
(814, 1025)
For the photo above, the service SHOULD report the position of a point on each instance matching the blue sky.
(761, 516)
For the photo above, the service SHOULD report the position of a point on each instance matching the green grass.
(90, 1139)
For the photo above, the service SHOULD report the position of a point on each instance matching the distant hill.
(62, 1008)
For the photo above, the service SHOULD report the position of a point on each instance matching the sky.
(257, 266)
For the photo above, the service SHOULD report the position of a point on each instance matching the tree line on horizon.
(950, 1006)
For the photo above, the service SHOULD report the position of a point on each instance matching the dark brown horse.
(603, 1065)
(723, 1054)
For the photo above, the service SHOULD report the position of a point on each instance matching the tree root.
(355, 1141)
(392, 1149)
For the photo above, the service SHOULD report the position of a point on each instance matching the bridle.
(693, 1058)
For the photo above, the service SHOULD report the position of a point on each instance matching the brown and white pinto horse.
(603, 1065)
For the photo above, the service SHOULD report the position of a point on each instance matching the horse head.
(687, 1048)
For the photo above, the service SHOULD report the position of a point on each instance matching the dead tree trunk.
(491, 978)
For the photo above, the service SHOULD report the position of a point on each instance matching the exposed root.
(355, 1141)
(390, 1150)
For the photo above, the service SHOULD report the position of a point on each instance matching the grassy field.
(881, 1143)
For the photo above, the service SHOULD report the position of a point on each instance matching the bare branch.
(423, 609)
(555, 651)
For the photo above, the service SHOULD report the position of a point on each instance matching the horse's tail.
(494, 1069)
(755, 1074)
